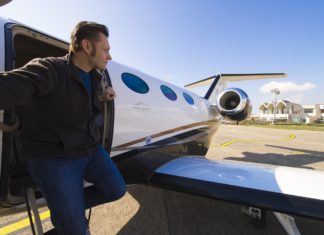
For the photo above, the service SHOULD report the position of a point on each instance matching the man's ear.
(86, 46)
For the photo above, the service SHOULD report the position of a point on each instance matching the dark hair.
(86, 30)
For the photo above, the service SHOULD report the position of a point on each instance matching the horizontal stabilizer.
(236, 78)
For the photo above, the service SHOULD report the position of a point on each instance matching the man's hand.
(108, 95)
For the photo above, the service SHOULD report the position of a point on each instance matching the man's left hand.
(108, 95)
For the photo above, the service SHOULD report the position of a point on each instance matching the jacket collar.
(93, 73)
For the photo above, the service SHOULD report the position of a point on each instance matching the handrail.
(9, 128)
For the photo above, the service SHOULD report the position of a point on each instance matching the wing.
(283, 189)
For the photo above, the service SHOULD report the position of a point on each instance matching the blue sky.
(184, 41)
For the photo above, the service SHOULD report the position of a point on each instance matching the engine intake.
(234, 104)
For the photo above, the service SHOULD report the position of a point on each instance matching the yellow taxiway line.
(226, 144)
(21, 224)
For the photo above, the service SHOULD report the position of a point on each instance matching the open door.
(21, 45)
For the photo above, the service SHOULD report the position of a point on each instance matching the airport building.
(314, 113)
(286, 111)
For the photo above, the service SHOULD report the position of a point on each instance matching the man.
(60, 130)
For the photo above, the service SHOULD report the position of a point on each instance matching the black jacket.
(60, 120)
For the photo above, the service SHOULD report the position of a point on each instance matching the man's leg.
(109, 185)
(61, 182)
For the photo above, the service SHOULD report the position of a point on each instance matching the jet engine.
(234, 104)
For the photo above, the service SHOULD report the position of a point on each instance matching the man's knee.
(94, 196)
(118, 193)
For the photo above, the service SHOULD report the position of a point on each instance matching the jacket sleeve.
(20, 86)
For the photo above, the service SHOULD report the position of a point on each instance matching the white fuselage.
(145, 115)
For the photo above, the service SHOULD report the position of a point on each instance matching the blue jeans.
(61, 183)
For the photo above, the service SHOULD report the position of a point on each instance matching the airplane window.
(188, 98)
(168, 92)
(135, 83)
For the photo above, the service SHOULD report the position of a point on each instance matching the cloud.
(286, 87)
(299, 99)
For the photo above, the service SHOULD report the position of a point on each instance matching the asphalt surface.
(148, 210)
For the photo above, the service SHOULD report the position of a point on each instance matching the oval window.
(135, 83)
(188, 98)
(168, 92)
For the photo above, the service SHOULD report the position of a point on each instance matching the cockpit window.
(135, 83)
(168, 92)
(188, 98)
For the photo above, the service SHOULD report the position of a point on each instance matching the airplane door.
(108, 111)
(10, 169)
(22, 44)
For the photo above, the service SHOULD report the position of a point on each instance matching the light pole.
(275, 92)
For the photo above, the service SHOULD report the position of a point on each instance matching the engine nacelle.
(234, 104)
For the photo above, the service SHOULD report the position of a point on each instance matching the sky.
(183, 41)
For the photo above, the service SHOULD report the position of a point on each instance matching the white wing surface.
(277, 188)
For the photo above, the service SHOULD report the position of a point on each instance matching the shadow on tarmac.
(168, 212)
(301, 159)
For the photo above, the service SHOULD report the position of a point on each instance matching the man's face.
(99, 55)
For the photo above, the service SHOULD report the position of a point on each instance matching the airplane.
(158, 134)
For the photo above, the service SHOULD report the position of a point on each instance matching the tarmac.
(149, 210)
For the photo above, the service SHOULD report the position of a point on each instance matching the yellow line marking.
(226, 144)
(22, 224)
(298, 153)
